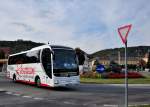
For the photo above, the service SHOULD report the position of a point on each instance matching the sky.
(89, 24)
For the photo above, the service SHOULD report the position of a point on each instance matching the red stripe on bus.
(29, 82)
(44, 85)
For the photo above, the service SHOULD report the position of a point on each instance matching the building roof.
(6, 50)
(3, 60)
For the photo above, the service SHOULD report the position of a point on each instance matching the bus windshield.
(64, 59)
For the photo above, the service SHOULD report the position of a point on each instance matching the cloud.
(22, 25)
(91, 25)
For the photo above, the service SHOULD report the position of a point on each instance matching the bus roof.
(40, 47)
(60, 47)
(33, 49)
(43, 46)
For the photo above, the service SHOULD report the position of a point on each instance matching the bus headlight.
(56, 82)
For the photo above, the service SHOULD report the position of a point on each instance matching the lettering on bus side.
(25, 71)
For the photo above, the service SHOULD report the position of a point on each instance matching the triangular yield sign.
(123, 32)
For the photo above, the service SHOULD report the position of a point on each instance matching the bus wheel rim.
(38, 82)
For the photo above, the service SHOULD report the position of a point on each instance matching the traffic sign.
(100, 68)
(123, 32)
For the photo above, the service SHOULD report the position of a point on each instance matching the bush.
(107, 69)
(90, 75)
(111, 75)
(122, 75)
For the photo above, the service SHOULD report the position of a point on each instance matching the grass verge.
(115, 81)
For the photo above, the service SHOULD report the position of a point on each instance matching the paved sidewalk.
(2, 74)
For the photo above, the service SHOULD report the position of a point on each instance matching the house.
(145, 58)
(106, 60)
(4, 59)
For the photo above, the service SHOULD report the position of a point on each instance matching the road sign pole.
(126, 77)
(123, 33)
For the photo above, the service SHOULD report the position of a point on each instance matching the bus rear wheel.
(38, 82)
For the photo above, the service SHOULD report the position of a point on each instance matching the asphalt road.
(84, 95)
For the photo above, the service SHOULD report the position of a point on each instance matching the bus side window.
(33, 57)
(46, 61)
(10, 60)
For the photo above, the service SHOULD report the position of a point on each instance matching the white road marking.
(27, 96)
(17, 94)
(9, 92)
(67, 102)
(37, 98)
(108, 105)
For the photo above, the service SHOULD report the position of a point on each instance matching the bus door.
(47, 63)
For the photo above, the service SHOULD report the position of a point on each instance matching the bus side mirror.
(53, 56)
(52, 52)
(81, 58)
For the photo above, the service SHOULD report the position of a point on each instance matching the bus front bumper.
(62, 81)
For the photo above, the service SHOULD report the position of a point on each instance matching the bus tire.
(37, 81)
(14, 78)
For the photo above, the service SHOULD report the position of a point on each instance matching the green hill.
(137, 51)
(19, 45)
(22, 45)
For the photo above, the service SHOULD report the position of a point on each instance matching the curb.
(2, 74)
(2, 90)
(139, 105)
(130, 84)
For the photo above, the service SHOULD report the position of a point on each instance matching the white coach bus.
(45, 66)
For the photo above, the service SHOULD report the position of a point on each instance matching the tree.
(148, 63)
(142, 64)
(80, 54)
(2, 55)
(116, 68)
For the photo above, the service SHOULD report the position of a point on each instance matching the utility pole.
(148, 60)
(119, 57)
